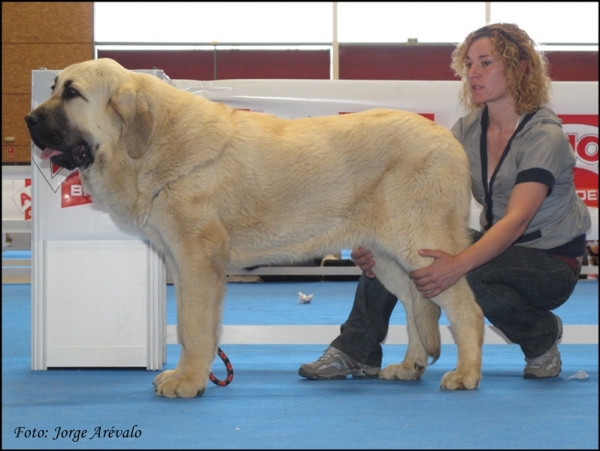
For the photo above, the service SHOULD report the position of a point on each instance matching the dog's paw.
(172, 384)
(164, 376)
(402, 371)
(454, 380)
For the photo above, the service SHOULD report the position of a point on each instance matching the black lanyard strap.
(487, 187)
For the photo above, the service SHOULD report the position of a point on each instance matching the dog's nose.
(32, 120)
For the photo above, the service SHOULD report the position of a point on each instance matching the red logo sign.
(582, 131)
(26, 200)
(71, 192)
(429, 116)
(22, 200)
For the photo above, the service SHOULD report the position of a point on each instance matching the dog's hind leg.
(466, 319)
(396, 280)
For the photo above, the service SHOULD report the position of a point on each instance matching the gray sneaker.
(548, 364)
(334, 364)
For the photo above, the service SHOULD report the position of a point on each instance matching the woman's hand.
(436, 278)
(431, 280)
(364, 260)
(525, 200)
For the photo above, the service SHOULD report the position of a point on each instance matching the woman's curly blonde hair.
(510, 45)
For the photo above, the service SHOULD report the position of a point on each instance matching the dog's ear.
(131, 104)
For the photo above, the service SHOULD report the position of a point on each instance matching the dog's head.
(94, 106)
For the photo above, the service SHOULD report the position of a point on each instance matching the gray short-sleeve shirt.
(538, 152)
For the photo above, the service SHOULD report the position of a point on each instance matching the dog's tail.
(427, 315)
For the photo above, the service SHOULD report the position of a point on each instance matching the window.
(552, 23)
(210, 22)
(398, 22)
(197, 23)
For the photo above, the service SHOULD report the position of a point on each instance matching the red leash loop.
(227, 363)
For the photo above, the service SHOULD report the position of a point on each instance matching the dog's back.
(312, 186)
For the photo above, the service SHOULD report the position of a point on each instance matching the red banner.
(582, 131)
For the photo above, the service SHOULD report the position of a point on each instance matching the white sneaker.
(548, 364)
(334, 364)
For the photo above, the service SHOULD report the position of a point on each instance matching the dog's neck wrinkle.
(187, 160)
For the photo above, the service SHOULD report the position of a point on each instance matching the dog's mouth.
(78, 157)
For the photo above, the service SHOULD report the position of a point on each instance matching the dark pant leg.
(517, 291)
(366, 327)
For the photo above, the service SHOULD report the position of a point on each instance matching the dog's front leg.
(200, 288)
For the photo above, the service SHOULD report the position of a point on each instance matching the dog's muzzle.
(55, 147)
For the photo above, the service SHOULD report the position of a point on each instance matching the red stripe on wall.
(283, 64)
(230, 64)
(177, 64)
(357, 62)
(395, 62)
(573, 66)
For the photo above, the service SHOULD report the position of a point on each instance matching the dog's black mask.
(75, 152)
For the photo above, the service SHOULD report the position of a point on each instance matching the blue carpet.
(277, 303)
(268, 406)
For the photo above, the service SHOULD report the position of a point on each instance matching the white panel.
(96, 294)
(96, 356)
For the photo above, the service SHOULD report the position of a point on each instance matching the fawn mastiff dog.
(216, 188)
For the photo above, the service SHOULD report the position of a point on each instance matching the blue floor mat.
(268, 406)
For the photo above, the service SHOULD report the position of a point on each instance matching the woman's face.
(485, 74)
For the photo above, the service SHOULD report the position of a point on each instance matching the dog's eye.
(71, 92)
